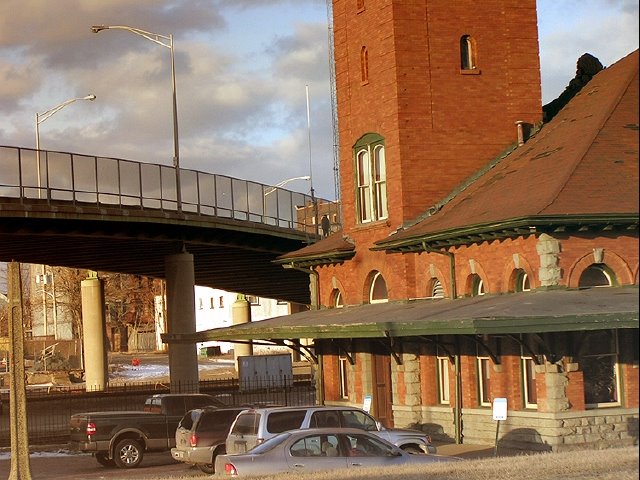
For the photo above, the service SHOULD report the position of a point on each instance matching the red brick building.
(475, 238)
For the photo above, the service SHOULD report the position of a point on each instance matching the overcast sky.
(241, 68)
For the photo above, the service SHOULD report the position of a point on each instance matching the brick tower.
(440, 85)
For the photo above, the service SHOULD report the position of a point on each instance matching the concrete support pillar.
(20, 466)
(94, 335)
(181, 318)
(241, 313)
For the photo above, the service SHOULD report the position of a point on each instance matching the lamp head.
(91, 97)
(98, 28)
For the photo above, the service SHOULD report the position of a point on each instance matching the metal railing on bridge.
(84, 179)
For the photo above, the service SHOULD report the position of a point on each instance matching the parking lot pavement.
(56, 465)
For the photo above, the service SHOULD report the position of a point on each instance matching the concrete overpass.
(115, 215)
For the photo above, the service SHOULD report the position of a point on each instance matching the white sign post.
(499, 413)
(366, 405)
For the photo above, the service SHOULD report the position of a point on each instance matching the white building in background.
(213, 310)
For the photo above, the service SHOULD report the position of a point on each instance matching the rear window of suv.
(247, 424)
(282, 421)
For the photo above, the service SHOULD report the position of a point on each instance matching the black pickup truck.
(121, 438)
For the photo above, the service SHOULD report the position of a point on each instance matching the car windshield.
(270, 444)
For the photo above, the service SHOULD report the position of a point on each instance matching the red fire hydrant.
(135, 362)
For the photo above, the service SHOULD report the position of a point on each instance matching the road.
(84, 467)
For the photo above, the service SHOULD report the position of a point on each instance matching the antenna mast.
(334, 102)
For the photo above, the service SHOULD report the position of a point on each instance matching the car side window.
(325, 418)
(282, 421)
(364, 446)
(309, 446)
(357, 419)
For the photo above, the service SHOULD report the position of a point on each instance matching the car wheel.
(104, 460)
(128, 453)
(412, 450)
(207, 468)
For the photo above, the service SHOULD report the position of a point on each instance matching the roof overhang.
(513, 227)
(539, 311)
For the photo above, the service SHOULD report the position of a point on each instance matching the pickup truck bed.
(121, 438)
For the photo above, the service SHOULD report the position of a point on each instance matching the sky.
(243, 70)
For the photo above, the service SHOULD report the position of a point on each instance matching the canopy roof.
(538, 311)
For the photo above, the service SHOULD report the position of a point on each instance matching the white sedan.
(311, 450)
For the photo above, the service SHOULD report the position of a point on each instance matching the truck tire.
(104, 460)
(128, 453)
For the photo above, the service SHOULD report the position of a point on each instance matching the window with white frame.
(371, 178)
(484, 380)
(529, 389)
(443, 365)
(200, 303)
(343, 373)
(598, 361)
(378, 291)
(211, 303)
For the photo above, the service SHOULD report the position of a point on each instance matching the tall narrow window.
(364, 186)
(364, 65)
(476, 285)
(378, 292)
(371, 178)
(484, 381)
(529, 382)
(599, 364)
(360, 5)
(336, 295)
(467, 54)
(343, 372)
(443, 377)
(380, 182)
(521, 281)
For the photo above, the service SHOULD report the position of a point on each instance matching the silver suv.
(253, 426)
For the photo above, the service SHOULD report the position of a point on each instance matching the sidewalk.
(477, 451)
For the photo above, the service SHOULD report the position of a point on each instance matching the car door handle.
(356, 464)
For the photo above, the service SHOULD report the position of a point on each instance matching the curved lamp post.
(167, 42)
(41, 117)
(284, 182)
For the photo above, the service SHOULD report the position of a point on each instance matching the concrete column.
(94, 335)
(181, 318)
(20, 466)
(241, 313)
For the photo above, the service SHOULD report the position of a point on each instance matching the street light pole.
(167, 42)
(41, 117)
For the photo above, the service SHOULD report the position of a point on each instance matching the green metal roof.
(552, 310)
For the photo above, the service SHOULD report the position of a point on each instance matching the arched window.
(364, 65)
(371, 171)
(337, 301)
(597, 275)
(378, 291)
(360, 5)
(436, 289)
(476, 285)
(521, 281)
(467, 53)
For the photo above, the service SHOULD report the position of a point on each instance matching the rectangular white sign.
(499, 408)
